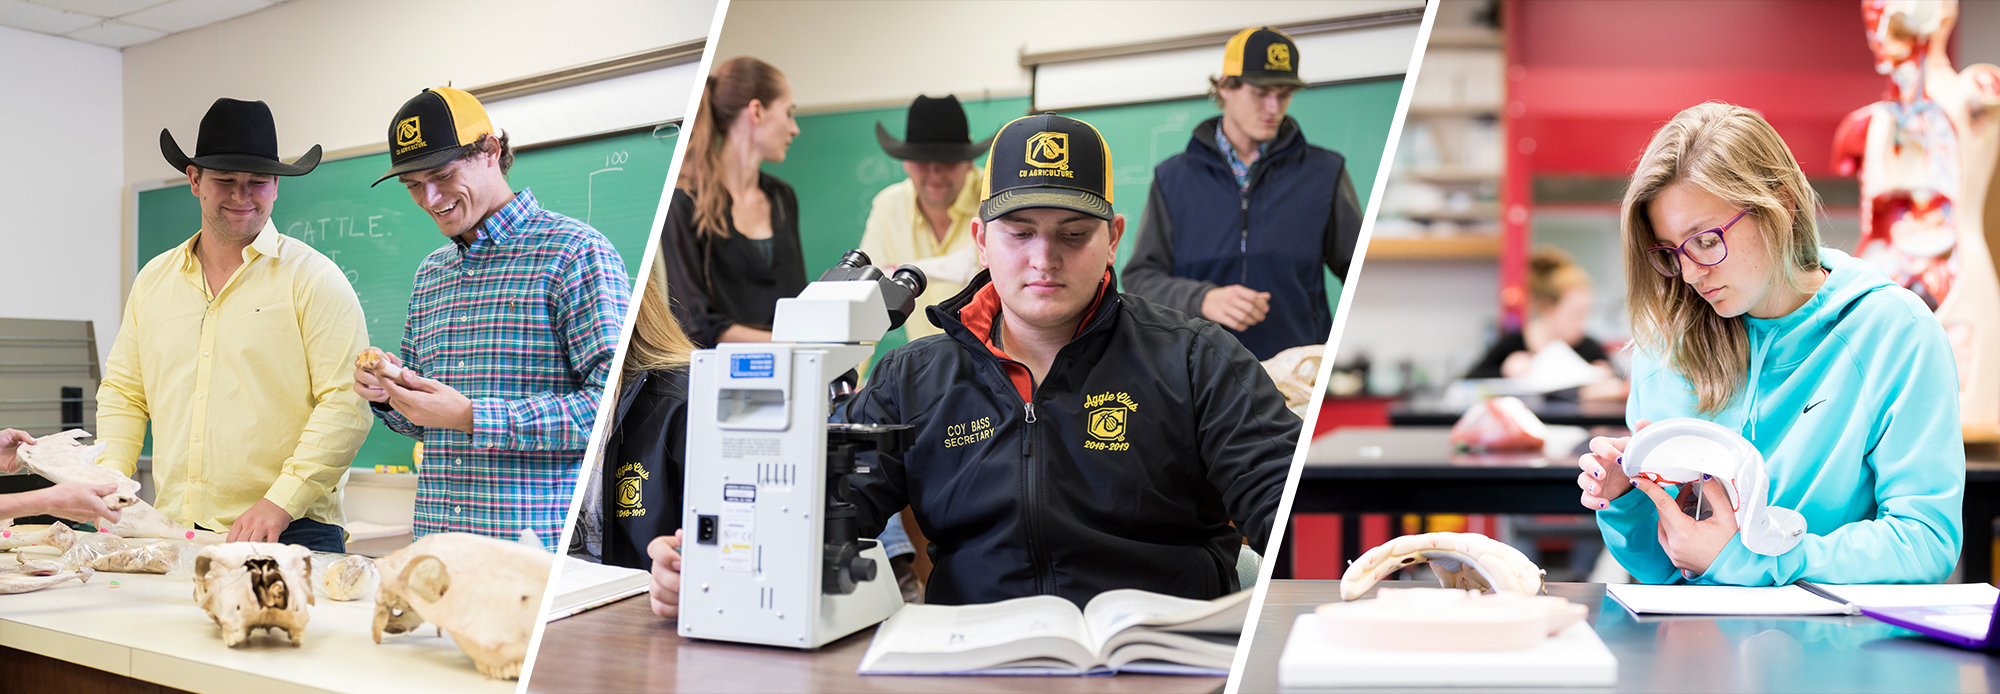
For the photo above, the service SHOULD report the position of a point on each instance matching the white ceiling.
(121, 23)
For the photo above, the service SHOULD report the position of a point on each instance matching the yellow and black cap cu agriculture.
(432, 128)
(1047, 160)
(1262, 56)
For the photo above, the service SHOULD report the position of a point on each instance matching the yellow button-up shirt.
(899, 234)
(250, 390)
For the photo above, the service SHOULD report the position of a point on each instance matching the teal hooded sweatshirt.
(1853, 400)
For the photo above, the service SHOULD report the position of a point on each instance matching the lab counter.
(148, 628)
(1697, 654)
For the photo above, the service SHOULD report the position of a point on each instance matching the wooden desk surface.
(622, 647)
(1701, 654)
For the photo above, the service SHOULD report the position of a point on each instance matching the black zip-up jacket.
(1123, 469)
(644, 466)
(1201, 231)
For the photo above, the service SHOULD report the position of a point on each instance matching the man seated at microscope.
(1070, 439)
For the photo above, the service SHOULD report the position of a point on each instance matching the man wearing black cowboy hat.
(926, 220)
(1238, 227)
(237, 347)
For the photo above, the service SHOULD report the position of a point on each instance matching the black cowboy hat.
(237, 136)
(937, 132)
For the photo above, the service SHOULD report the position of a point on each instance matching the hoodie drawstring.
(1757, 349)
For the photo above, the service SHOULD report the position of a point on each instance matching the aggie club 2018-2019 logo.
(1106, 415)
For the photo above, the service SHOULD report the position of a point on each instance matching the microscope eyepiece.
(854, 258)
(912, 278)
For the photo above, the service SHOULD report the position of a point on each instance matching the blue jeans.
(314, 535)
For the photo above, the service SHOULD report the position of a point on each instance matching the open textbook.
(1119, 631)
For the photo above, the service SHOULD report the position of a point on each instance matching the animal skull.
(1461, 560)
(252, 585)
(486, 592)
(61, 459)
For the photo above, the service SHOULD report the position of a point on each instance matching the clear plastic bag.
(344, 577)
(113, 554)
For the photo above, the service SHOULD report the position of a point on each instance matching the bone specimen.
(32, 575)
(114, 554)
(351, 578)
(142, 520)
(1446, 619)
(485, 592)
(55, 535)
(375, 361)
(253, 585)
(1294, 371)
(1461, 560)
(61, 459)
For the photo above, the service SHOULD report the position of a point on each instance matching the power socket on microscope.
(704, 530)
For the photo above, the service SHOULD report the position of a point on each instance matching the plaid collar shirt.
(1236, 165)
(524, 322)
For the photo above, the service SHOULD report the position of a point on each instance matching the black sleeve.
(1590, 350)
(683, 252)
(1247, 436)
(1489, 365)
(1343, 228)
(883, 491)
(1150, 271)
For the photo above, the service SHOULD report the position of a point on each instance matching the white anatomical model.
(61, 459)
(486, 592)
(1468, 561)
(1925, 156)
(32, 575)
(1446, 619)
(54, 535)
(253, 585)
(351, 578)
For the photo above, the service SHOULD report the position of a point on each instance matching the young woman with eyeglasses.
(1842, 379)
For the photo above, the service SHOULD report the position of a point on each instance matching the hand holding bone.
(429, 403)
(371, 368)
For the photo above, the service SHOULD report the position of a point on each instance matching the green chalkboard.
(837, 167)
(378, 236)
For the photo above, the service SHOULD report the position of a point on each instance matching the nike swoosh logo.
(1809, 407)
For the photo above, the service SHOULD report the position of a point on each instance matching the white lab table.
(148, 628)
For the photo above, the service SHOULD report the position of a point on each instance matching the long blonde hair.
(732, 87)
(658, 342)
(1732, 153)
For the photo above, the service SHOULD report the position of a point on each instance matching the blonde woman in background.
(731, 241)
(1559, 303)
(1843, 380)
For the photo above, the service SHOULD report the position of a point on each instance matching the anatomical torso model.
(1925, 155)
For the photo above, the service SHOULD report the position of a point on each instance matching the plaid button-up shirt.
(524, 322)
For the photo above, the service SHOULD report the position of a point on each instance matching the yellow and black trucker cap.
(1047, 160)
(432, 128)
(1262, 56)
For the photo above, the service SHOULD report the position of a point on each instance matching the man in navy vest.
(1237, 227)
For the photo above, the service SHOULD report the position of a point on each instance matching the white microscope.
(772, 554)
